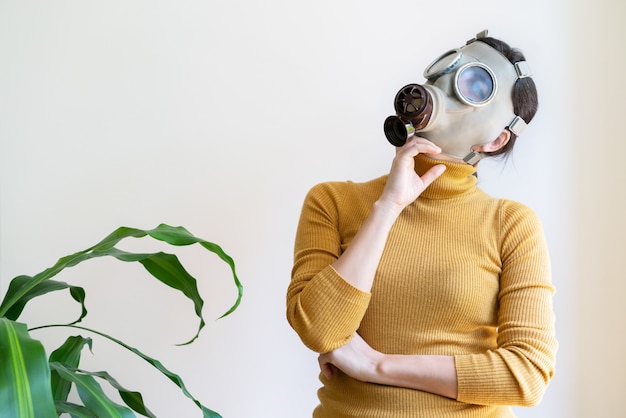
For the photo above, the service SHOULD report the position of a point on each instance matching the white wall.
(220, 115)
(598, 177)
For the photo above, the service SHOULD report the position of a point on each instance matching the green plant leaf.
(42, 288)
(27, 284)
(133, 399)
(67, 354)
(170, 271)
(180, 236)
(15, 385)
(24, 374)
(92, 395)
(174, 235)
(75, 411)
(177, 380)
(28, 287)
(116, 236)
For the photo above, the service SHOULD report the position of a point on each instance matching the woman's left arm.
(435, 374)
(519, 370)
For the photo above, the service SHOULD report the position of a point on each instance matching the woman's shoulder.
(342, 188)
(346, 193)
(517, 213)
(516, 207)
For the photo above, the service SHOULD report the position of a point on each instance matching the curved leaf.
(133, 399)
(67, 354)
(177, 380)
(174, 235)
(42, 288)
(25, 287)
(170, 271)
(116, 236)
(92, 395)
(75, 411)
(180, 236)
(24, 374)
(17, 389)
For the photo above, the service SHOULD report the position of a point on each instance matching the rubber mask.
(465, 102)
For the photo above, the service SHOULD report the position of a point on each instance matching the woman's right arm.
(358, 264)
(329, 292)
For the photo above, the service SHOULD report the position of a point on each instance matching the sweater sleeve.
(519, 370)
(323, 308)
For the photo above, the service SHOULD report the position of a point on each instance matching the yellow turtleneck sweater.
(462, 274)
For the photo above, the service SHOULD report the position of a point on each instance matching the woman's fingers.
(434, 172)
(404, 185)
(418, 145)
(327, 369)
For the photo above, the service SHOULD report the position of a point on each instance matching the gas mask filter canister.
(465, 102)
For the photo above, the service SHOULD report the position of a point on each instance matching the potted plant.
(35, 384)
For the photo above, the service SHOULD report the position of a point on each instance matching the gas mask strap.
(473, 157)
(517, 125)
(481, 34)
(522, 69)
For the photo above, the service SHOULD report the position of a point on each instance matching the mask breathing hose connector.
(398, 131)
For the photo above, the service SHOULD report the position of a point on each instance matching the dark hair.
(524, 94)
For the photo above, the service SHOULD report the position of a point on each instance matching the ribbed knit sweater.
(462, 274)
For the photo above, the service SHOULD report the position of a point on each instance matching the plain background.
(220, 116)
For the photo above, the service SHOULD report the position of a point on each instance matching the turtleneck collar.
(456, 180)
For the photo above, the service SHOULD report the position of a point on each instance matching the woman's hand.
(356, 359)
(358, 264)
(404, 185)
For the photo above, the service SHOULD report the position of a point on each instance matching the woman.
(425, 296)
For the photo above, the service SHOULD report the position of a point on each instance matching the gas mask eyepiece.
(475, 84)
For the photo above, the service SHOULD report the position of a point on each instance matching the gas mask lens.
(443, 65)
(475, 84)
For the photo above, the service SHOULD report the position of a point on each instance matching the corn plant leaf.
(133, 399)
(24, 374)
(16, 393)
(69, 355)
(181, 236)
(177, 380)
(91, 394)
(168, 269)
(42, 288)
(157, 264)
(75, 411)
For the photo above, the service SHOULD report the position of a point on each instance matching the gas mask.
(465, 102)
